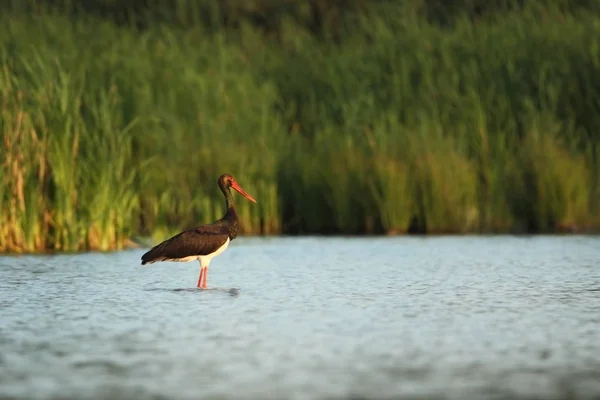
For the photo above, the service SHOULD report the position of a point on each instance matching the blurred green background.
(339, 117)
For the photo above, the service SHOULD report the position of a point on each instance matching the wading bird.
(204, 242)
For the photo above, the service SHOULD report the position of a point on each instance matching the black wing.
(193, 242)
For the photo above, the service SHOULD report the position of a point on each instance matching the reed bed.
(111, 132)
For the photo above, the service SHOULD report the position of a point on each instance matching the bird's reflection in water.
(234, 292)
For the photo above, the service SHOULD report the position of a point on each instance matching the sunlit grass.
(109, 133)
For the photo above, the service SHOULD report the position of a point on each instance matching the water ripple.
(306, 318)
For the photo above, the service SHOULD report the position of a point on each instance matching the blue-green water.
(309, 318)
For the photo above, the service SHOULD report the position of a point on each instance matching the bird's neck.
(228, 201)
(231, 214)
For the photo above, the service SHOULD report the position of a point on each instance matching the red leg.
(205, 277)
(201, 278)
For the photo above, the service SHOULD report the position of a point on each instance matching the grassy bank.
(109, 132)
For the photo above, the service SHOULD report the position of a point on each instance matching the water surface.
(309, 318)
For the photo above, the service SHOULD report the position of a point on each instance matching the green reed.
(110, 132)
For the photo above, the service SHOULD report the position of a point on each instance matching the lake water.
(495, 317)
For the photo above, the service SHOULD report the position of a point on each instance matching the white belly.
(205, 260)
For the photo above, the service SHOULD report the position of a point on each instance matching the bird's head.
(228, 181)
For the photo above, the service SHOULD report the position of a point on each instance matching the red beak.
(237, 187)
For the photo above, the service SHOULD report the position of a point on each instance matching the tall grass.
(110, 132)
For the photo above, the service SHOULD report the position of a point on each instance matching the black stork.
(204, 242)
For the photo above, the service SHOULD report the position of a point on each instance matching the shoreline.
(141, 243)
